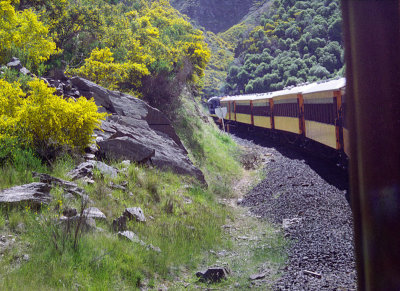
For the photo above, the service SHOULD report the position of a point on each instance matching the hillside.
(99, 190)
(224, 23)
(113, 177)
(295, 42)
(215, 16)
(274, 45)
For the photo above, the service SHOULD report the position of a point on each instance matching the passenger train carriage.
(314, 111)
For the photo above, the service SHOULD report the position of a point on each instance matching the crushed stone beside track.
(307, 197)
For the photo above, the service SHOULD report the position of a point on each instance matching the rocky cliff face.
(136, 131)
(214, 15)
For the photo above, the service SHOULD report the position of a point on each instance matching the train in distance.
(310, 113)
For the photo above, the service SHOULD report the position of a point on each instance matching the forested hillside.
(276, 44)
(296, 41)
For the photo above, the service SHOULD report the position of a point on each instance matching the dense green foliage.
(296, 41)
(144, 47)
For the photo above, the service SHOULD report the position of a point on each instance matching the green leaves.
(299, 41)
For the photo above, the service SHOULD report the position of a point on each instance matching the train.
(308, 113)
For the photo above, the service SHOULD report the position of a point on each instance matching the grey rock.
(156, 249)
(95, 213)
(34, 193)
(212, 275)
(83, 170)
(131, 236)
(117, 187)
(24, 71)
(15, 63)
(58, 75)
(137, 132)
(21, 227)
(288, 223)
(257, 276)
(87, 180)
(92, 149)
(67, 186)
(89, 157)
(125, 147)
(135, 213)
(106, 169)
(126, 163)
(119, 224)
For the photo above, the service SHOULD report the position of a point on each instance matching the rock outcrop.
(34, 193)
(68, 187)
(137, 132)
(134, 131)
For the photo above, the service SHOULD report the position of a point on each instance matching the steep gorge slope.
(215, 16)
(225, 24)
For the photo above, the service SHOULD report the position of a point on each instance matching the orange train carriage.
(311, 112)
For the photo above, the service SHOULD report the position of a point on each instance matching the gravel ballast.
(306, 196)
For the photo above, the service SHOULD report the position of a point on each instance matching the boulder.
(135, 213)
(125, 147)
(106, 169)
(95, 213)
(24, 71)
(213, 275)
(67, 186)
(81, 171)
(34, 193)
(135, 131)
(257, 276)
(129, 235)
(15, 63)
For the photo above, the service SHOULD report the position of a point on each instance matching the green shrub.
(44, 121)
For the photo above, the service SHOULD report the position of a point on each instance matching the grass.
(213, 151)
(183, 220)
(254, 246)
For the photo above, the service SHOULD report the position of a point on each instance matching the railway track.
(307, 197)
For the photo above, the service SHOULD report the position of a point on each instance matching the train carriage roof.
(302, 89)
(331, 85)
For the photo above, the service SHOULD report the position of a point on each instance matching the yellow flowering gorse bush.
(152, 40)
(41, 120)
(22, 31)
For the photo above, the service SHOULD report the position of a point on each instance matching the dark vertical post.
(338, 120)
(271, 108)
(251, 112)
(234, 106)
(372, 40)
(302, 123)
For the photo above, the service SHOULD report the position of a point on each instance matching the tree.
(23, 35)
